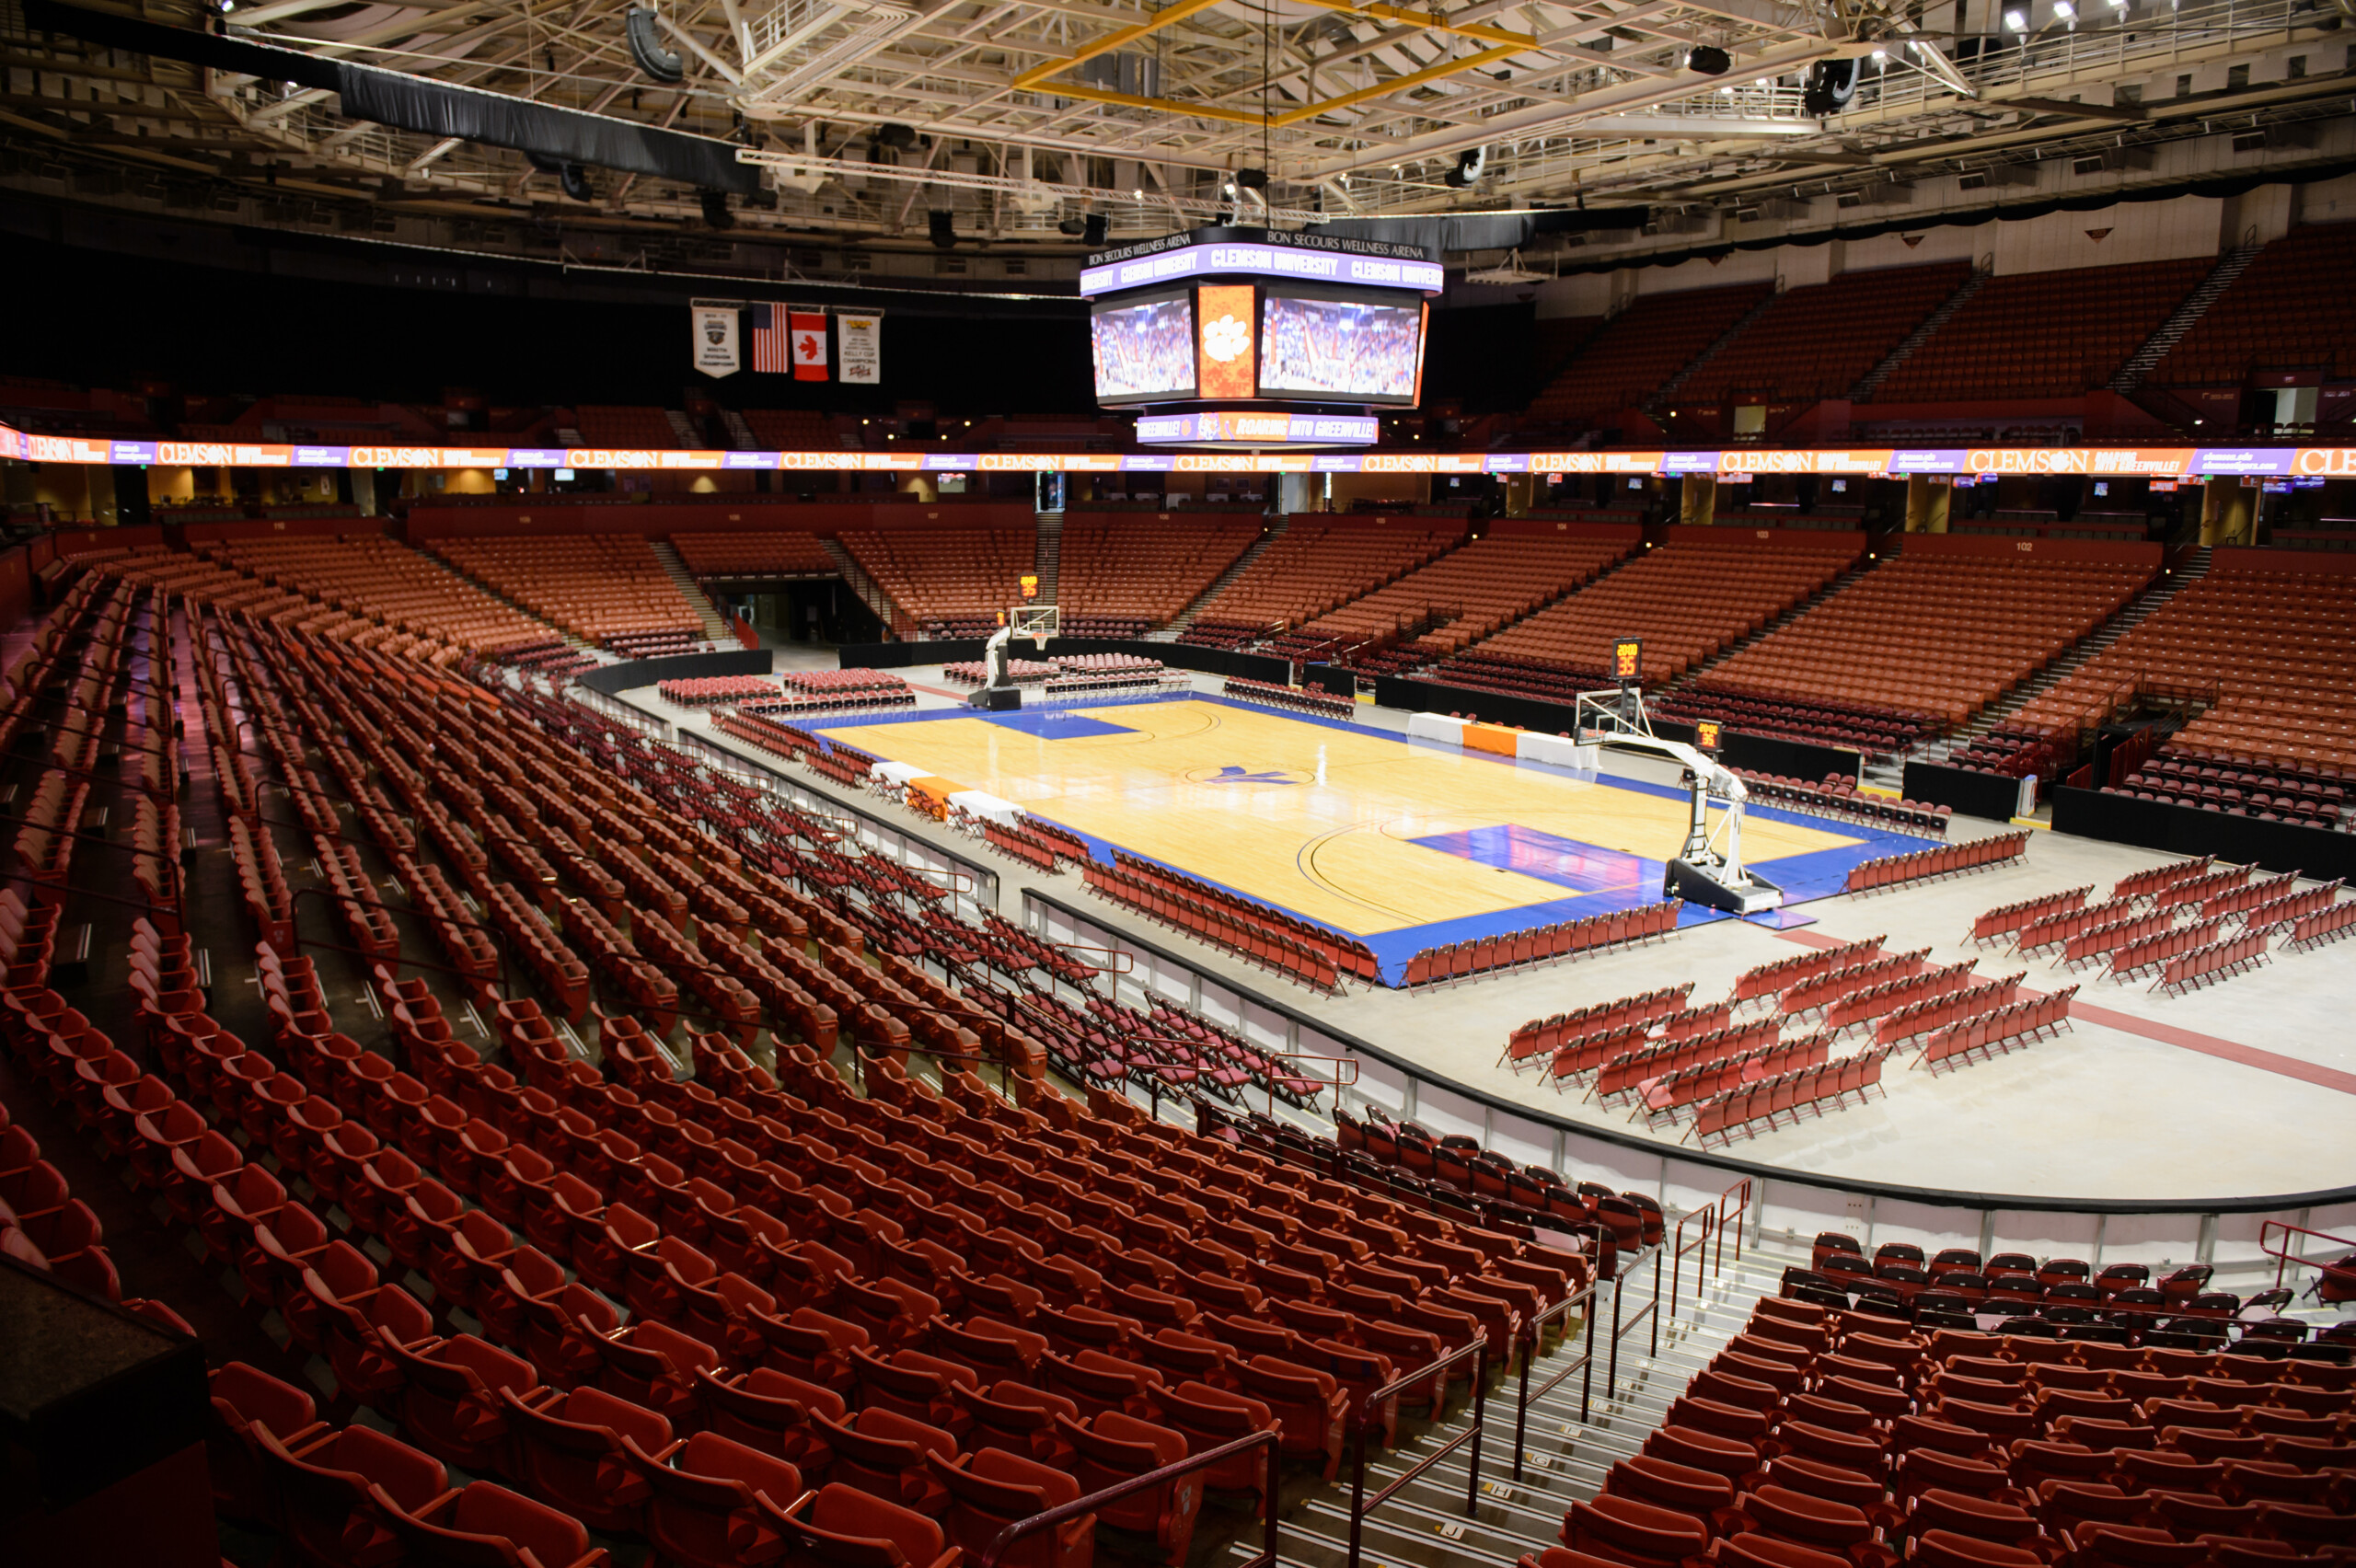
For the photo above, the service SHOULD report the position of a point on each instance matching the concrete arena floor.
(2246, 1089)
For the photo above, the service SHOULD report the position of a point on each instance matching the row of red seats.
(1543, 1037)
(1935, 1013)
(2100, 941)
(1632, 1069)
(2329, 927)
(2156, 951)
(1867, 1003)
(2217, 961)
(1773, 978)
(1566, 939)
(1831, 1440)
(1810, 1088)
(703, 690)
(2012, 917)
(1345, 952)
(1983, 1035)
(1226, 922)
(1838, 796)
(2273, 902)
(1869, 968)
(1301, 699)
(2055, 929)
(1949, 860)
(1785, 1062)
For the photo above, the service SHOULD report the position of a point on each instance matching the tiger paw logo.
(1232, 774)
(1226, 338)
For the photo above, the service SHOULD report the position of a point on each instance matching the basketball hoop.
(1037, 622)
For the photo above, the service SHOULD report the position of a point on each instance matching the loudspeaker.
(1252, 179)
(1094, 230)
(659, 65)
(1708, 60)
(1831, 85)
(572, 177)
(944, 227)
(901, 136)
(715, 209)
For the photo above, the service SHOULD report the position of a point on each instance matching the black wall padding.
(632, 674)
(956, 650)
(1967, 789)
(413, 103)
(1791, 759)
(2277, 847)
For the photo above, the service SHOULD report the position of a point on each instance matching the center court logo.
(1231, 774)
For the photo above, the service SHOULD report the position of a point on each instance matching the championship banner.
(860, 339)
(714, 344)
(809, 344)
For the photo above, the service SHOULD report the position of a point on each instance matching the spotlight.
(1471, 165)
(2064, 9)
(2015, 22)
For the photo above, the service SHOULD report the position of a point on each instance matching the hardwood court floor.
(1397, 836)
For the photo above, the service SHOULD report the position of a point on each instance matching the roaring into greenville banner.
(860, 340)
(714, 345)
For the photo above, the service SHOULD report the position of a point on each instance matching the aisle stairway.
(740, 434)
(1565, 1457)
(1701, 671)
(1995, 714)
(1047, 557)
(715, 628)
(888, 614)
(1668, 392)
(1874, 378)
(684, 427)
(1186, 617)
(2141, 363)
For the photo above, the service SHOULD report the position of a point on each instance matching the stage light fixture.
(659, 65)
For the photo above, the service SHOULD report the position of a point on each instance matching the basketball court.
(1405, 843)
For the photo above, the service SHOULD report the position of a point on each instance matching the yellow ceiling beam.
(1167, 106)
(1396, 85)
(1178, 11)
(1431, 22)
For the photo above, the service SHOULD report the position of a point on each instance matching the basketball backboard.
(1037, 622)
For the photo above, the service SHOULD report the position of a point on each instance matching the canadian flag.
(809, 328)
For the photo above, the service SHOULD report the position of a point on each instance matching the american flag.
(772, 340)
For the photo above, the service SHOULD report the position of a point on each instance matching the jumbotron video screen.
(1314, 347)
(1144, 351)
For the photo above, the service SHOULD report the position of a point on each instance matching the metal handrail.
(1679, 1246)
(1360, 1506)
(1741, 1208)
(1337, 1082)
(1004, 1541)
(2285, 1258)
(1584, 1364)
